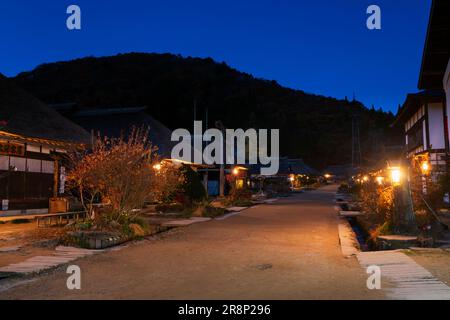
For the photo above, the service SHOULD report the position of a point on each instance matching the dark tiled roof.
(288, 166)
(436, 52)
(414, 101)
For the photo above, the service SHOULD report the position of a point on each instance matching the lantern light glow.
(425, 167)
(379, 180)
(396, 175)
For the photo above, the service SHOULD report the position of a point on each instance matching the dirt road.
(285, 250)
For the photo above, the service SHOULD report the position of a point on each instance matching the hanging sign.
(12, 149)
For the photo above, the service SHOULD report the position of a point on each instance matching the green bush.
(19, 221)
(192, 187)
(212, 212)
(86, 225)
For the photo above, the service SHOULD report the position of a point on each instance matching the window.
(33, 148)
(4, 161)
(18, 164)
(47, 166)
(33, 165)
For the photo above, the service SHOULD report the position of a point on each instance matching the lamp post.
(404, 220)
(221, 127)
(425, 168)
(292, 180)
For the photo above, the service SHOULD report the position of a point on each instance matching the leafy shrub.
(20, 221)
(212, 212)
(192, 186)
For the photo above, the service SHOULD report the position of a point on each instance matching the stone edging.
(347, 239)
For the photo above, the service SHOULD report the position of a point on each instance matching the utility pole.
(195, 109)
(221, 127)
(205, 174)
(356, 144)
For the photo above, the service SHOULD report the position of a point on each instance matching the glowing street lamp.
(425, 166)
(366, 178)
(235, 171)
(327, 175)
(157, 166)
(396, 176)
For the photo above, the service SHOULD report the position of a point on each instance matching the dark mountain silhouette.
(312, 127)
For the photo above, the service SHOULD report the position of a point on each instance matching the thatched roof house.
(24, 115)
(116, 122)
(32, 139)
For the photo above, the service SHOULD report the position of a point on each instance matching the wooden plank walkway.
(36, 264)
(410, 280)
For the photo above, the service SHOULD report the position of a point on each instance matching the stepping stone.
(200, 219)
(10, 249)
(348, 214)
(184, 222)
(178, 223)
(37, 264)
(236, 209)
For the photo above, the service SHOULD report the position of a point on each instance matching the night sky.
(320, 46)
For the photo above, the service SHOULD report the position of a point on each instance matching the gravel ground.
(436, 261)
(285, 250)
(32, 241)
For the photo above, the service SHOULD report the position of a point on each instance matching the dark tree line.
(313, 127)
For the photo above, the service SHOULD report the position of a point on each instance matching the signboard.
(12, 149)
(62, 179)
(5, 204)
(446, 198)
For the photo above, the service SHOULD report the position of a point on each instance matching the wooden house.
(33, 138)
(424, 115)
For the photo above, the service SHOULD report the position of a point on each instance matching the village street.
(285, 250)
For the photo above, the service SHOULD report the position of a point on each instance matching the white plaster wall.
(436, 125)
(446, 83)
(424, 132)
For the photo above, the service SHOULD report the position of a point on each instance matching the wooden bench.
(60, 218)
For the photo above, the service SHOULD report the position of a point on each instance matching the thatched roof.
(23, 114)
(115, 122)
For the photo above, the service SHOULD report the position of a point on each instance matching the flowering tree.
(119, 171)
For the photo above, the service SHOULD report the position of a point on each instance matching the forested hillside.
(315, 128)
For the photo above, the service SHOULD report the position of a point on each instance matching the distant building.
(33, 139)
(340, 172)
(117, 122)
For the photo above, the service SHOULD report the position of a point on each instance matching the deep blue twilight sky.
(319, 46)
